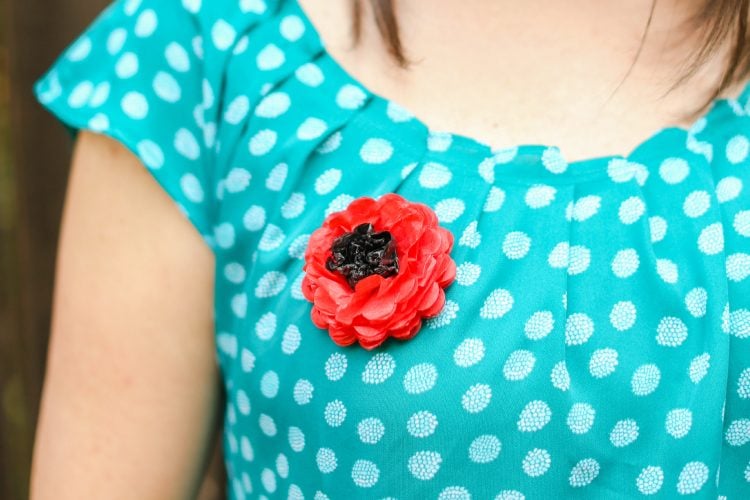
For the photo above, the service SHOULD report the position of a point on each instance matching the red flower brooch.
(375, 269)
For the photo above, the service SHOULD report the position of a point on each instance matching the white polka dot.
(350, 97)
(254, 218)
(365, 473)
(292, 28)
(584, 208)
(268, 479)
(540, 196)
(192, 6)
(623, 315)
(692, 478)
(151, 154)
(237, 110)
(470, 237)
(424, 465)
(497, 304)
(671, 331)
(303, 392)
(476, 398)
(539, 325)
(450, 209)
(578, 328)
(238, 179)
(495, 199)
(645, 379)
(116, 40)
(327, 181)
(446, 315)
(420, 378)
(146, 24)
(277, 177)
(624, 433)
(728, 188)
(631, 210)
(370, 430)
(223, 34)
(80, 94)
(625, 263)
(583, 472)
(269, 384)
(186, 144)
(536, 462)
(326, 460)
(439, 140)
(262, 142)
(534, 416)
(711, 239)
(310, 74)
(397, 113)
(603, 362)
(376, 151)
(270, 57)
(678, 422)
(296, 439)
(469, 352)
(271, 238)
(580, 418)
(311, 128)
(224, 233)
(273, 105)
(484, 449)
(253, 6)
(553, 160)
(467, 273)
(738, 149)
(516, 245)
(177, 57)
(379, 368)
(696, 203)
(335, 413)
(80, 50)
(422, 424)
(134, 105)
(650, 480)
(674, 170)
(434, 175)
(454, 493)
(519, 364)
(270, 284)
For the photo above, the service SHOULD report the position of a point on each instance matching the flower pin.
(376, 269)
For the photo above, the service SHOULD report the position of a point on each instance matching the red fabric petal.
(379, 307)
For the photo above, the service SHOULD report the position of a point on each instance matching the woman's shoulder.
(150, 74)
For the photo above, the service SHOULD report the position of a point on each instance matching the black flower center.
(362, 252)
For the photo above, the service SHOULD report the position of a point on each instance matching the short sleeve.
(142, 74)
(732, 172)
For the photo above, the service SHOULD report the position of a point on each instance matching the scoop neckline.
(473, 145)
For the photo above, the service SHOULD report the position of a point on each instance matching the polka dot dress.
(595, 342)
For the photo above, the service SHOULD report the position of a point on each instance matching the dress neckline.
(465, 143)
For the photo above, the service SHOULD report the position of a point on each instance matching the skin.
(130, 405)
(535, 72)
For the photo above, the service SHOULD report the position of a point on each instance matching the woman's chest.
(585, 328)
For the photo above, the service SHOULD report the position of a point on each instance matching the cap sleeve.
(148, 73)
(732, 173)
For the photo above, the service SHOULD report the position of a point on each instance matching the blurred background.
(34, 160)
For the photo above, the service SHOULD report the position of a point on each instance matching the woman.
(487, 255)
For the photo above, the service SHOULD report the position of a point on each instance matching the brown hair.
(717, 21)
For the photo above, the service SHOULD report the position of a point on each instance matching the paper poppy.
(376, 269)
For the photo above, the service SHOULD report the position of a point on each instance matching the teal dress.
(595, 342)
